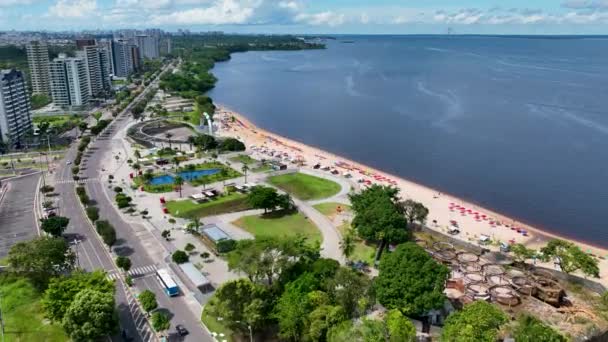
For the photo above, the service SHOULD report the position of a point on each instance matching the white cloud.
(290, 5)
(328, 18)
(73, 8)
(7, 3)
(219, 13)
(364, 18)
(144, 4)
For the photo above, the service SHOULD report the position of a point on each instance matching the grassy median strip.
(223, 205)
(279, 224)
(305, 187)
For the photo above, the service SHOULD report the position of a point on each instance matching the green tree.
(347, 245)
(241, 301)
(179, 257)
(521, 253)
(160, 321)
(124, 263)
(411, 281)
(378, 218)
(321, 319)
(293, 307)
(92, 213)
(178, 182)
(55, 225)
(62, 290)
(399, 327)
(97, 116)
(40, 259)
(147, 299)
(570, 257)
(189, 247)
(530, 329)
(479, 321)
(166, 234)
(367, 330)
(90, 316)
(349, 289)
(262, 197)
(414, 211)
(107, 232)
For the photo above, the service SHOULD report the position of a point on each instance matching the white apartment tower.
(38, 62)
(69, 82)
(15, 117)
(122, 58)
(98, 69)
(148, 46)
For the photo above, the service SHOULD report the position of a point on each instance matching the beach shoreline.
(254, 135)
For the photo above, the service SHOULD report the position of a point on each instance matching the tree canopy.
(241, 301)
(378, 217)
(267, 198)
(55, 225)
(40, 259)
(479, 321)
(160, 321)
(570, 257)
(530, 329)
(62, 290)
(411, 281)
(180, 257)
(90, 316)
(521, 253)
(414, 211)
(147, 299)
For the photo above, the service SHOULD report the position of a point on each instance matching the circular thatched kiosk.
(445, 256)
(498, 280)
(478, 291)
(492, 270)
(504, 295)
(524, 285)
(442, 246)
(549, 291)
(467, 257)
(470, 267)
(473, 278)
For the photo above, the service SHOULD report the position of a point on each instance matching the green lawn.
(244, 159)
(330, 209)
(262, 168)
(363, 251)
(211, 322)
(305, 187)
(278, 224)
(22, 313)
(56, 120)
(225, 204)
(226, 173)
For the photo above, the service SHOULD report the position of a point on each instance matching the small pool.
(186, 175)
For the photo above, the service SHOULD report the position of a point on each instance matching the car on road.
(68, 163)
(181, 330)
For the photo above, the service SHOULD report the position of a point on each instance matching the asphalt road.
(90, 249)
(17, 220)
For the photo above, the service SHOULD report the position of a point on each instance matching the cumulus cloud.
(73, 8)
(328, 18)
(220, 12)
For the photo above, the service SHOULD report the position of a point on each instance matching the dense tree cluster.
(479, 321)
(570, 257)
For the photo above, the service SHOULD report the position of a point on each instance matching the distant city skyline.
(307, 16)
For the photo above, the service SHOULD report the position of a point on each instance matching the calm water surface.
(518, 125)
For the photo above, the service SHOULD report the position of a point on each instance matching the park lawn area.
(330, 209)
(363, 251)
(243, 159)
(226, 204)
(56, 120)
(262, 168)
(227, 173)
(193, 117)
(280, 225)
(211, 322)
(305, 187)
(22, 313)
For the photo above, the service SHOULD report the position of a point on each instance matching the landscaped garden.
(280, 224)
(305, 187)
(331, 209)
(225, 204)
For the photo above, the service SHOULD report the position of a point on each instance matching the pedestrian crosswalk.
(135, 272)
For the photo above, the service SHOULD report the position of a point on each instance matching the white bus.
(167, 282)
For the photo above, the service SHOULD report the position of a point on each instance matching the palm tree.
(347, 245)
(176, 161)
(169, 136)
(137, 154)
(178, 182)
(224, 175)
(245, 168)
(191, 139)
(148, 176)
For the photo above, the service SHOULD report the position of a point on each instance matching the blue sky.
(313, 16)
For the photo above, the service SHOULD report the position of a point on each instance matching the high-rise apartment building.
(97, 65)
(69, 82)
(38, 62)
(15, 116)
(165, 46)
(82, 42)
(148, 46)
(122, 57)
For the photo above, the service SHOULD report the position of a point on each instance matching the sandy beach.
(444, 210)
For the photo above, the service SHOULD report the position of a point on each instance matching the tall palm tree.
(347, 245)
(169, 136)
(178, 182)
(176, 161)
(191, 141)
(137, 154)
(245, 168)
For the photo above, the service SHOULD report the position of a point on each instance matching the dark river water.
(519, 125)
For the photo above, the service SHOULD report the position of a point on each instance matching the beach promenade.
(444, 209)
